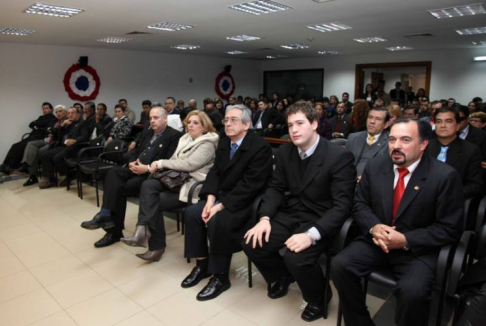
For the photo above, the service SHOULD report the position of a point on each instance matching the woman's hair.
(119, 106)
(337, 99)
(360, 113)
(366, 89)
(395, 110)
(203, 117)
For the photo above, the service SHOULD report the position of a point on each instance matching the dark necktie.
(398, 192)
(234, 147)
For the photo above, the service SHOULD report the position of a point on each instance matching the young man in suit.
(340, 122)
(294, 229)
(242, 167)
(407, 206)
(156, 143)
(462, 155)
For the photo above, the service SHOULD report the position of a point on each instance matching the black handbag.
(171, 179)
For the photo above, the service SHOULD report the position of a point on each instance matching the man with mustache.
(407, 206)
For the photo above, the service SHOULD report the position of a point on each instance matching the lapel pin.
(160, 145)
(416, 188)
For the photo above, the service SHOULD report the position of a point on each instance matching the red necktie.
(398, 192)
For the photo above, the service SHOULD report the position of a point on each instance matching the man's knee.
(339, 266)
(413, 293)
(192, 215)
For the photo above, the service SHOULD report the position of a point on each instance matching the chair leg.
(80, 186)
(96, 189)
(188, 260)
(77, 177)
(328, 285)
(178, 223)
(339, 316)
(250, 276)
(183, 222)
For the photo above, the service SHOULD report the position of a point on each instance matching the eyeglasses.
(232, 120)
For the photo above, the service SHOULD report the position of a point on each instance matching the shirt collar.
(238, 143)
(311, 150)
(411, 168)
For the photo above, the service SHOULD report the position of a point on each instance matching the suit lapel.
(380, 143)
(387, 192)
(454, 152)
(361, 140)
(414, 186)
(243, 147)
(316, 160)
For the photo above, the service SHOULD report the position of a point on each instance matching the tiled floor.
(50, 273)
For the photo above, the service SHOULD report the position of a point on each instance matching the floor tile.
(57, 319)
(58, 270)
(15, 285)
(125, 269)
(227, 317)
(141, 319)
(10, 265)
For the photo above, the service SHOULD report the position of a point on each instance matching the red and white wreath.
(81, 83)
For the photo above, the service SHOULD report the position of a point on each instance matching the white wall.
(454, 74)
(31, 74)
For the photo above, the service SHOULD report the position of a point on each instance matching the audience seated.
(347, 103)
(478, 120)
(340, 122)
(158, 142)
(357, 121)
(266, 117)
(214, 115)
(411, 112)
(194, 155)
(122, 127)
(145, 114)
(128, 112)
(103, 122)
(170, 106)
(324, 128)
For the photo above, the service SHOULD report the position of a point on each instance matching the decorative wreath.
(81, 83)
(225, 85)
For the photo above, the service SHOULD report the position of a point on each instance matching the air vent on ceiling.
(138, 33)
(264, 49)
(414, 36)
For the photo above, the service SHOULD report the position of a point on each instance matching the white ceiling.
(213, 21)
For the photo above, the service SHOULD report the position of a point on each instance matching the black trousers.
(55, 159)
(274, 260)
(414, 283)
(155, 199)
(16, 152)
(196, 239)
(119, 184)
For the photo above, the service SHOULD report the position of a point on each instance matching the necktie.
(234, 147)
(303, 155)
(443, 153)
(398, 192)
(371, 140)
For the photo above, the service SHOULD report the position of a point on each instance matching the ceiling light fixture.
(329, 27)
(235, 52)
(459, 11)
(373, 39)
(399, 48)
(114, 39)
(185, 47)
(242, 38)
(260, 7)
(16, 31)
(54, 11)
(295, 46)
(329, 52)
(171, 27)
(479, 43)
(481, 58)
(322, 1)
(471, 31)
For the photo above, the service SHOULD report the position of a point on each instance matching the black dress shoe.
(107, 240)
(5, 169)
(24, 168)
(98, 221)
(281, 287)
(312, 312)
(196, 275)
(32, 181)
(214, 288)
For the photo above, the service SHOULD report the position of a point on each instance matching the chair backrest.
(117, 146)
(481, 243)
(98, 141)
(340, 141)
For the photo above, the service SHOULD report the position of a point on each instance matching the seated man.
(340, 122)
(145, 114)
(39, 131)
(320, 180)
(128, 112)
(242, 167)
(411, 112)
(74, 130)
(408, 205)
(464, 156)
(266, 116)
(102, 122)
(157, 143)
(370, 143)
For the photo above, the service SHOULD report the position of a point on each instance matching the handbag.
(171, 179)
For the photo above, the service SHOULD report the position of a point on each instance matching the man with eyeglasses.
(241, 170)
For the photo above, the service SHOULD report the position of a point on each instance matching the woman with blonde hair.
(395, 113)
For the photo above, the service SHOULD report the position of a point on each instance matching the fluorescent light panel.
(459, 11)
(399, 48)
(235, 52)
(51, 10)
(16, 31)
(295, 46)
(329, 52)
(242, 38)
(322, 1)
(114, 39)
(260, 7)
(329, 27)
(171, 27)
(481, 58)
(185, 47)
(373, 39)
(471, 31)
(479, 43)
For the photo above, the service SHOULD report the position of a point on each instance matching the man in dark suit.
(347, 104)
(102, 122)
(462, 155)
(265, 116)
(340, 122)
(370, 143)
(158, 142)
(294, 229)
(398, 94)
(241, 170)
(74, 130)
(407, 206)
(471, 134)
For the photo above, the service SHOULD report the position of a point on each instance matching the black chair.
(339, 141)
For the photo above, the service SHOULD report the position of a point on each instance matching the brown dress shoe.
(152, 256)
(140, 237)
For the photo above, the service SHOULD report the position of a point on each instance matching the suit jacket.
(78, 130)
(344, 124)
(103, 127)
(39, 126)
(268, 116)
(327, 189)
(236, 183)
(478, 137)
(465, 157)
(357, 142)
(430, 214)
(400, 95)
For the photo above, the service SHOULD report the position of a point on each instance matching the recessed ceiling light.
(260, 7)
(185, 47)
(329, 27)
(16, 31)
(114, 39)
(54, 11)
(471, 31)
(321, 1)
(373, 39)
(171, 27)
(236, 52)
(481, 58)
(399, 48)
(278, 56)
(459, 11)
(479, 43)
(242, 38)
(329, 52)
(295, 46)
